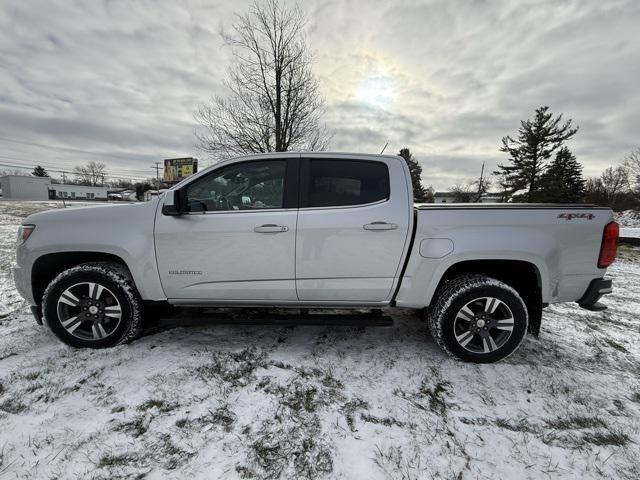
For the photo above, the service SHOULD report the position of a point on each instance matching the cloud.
(123, 78)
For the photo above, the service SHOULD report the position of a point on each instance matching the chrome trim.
(378, 202)
(226, 212)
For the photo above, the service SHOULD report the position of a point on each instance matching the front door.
(237, 240)
(352, 229)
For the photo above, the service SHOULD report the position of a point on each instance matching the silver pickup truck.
(319, 230)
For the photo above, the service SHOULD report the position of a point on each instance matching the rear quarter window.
(335, 183)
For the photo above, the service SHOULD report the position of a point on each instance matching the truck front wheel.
(93, 305)
(478, 319)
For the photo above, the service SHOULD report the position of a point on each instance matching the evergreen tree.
(39, 172)
(529, 153)
(563, 181)
(420, 194)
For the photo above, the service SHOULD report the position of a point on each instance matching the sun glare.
(376, 89)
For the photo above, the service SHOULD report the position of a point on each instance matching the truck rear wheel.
(478, 319)
(93, 305)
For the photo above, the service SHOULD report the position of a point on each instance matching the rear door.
(352, 228)
(237, 242)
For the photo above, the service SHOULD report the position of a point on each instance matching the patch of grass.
(169, 454)
(182, 422)
(11, 405)
(575, 423)
(635, 397)
(222, 417)
(602, 439)
(234, 368)
(118, 460)
(292, 451)
(397, 465)
(435, 394)
(162, 405)
(34, 375)
(615, 345)
(136, 427)
(302, 397)
(385, 421)
(351, 407)
(521, 425)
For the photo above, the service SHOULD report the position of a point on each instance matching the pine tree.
(529, 153)
(420, 194)
(563, 182)
(39, 172)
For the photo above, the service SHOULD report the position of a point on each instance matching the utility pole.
(64, 179)
(157, 168)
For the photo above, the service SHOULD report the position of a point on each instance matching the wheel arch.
(46, 267)
(523, 276)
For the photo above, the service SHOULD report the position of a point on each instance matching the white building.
(17, 187)
(25, 188)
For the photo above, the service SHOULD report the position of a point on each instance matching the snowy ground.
(629, 221)
(268, 401)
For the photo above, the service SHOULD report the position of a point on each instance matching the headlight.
(24, 232)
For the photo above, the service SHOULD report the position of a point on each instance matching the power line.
(63, 172)
(60, 164)
(52, 167)
(66, 149)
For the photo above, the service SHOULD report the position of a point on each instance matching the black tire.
(466, 336)
(121, 294)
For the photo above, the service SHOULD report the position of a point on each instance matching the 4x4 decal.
(571, 216)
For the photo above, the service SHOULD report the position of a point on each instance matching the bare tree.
(632, 164)
(472, 191)
(274, 102)
(609, 188)
(91, 174)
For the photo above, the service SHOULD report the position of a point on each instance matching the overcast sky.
(118, 81)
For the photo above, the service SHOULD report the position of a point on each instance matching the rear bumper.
(597, 288)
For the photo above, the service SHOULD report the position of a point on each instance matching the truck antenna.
(384, 148)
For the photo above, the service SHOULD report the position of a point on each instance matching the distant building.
(450, 197)
(18, 187)
(25, 188)
(444, 197)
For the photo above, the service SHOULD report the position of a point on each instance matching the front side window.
(242, 186)
(346, 182)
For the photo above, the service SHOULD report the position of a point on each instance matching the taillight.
(609, 245)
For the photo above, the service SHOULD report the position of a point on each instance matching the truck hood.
(91, 215)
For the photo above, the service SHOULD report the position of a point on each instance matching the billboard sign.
(176, 169)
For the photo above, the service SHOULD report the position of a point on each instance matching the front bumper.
(23, 283)
(597, 288)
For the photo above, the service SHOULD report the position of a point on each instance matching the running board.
(247, 316)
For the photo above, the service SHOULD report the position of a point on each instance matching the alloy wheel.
(89, 311)
(483, 325)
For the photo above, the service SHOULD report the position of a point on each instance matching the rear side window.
(335, 183)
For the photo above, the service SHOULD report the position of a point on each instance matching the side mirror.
(173, 203)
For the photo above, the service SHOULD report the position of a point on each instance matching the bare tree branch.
(274, 102)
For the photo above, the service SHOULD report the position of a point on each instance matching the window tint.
(347, 182)
(242, 186)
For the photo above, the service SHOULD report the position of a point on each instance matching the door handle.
(380, 226)
(271, 228)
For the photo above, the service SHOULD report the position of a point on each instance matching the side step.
(264, 316)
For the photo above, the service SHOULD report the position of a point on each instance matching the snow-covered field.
(629, 221)
(269, 401)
